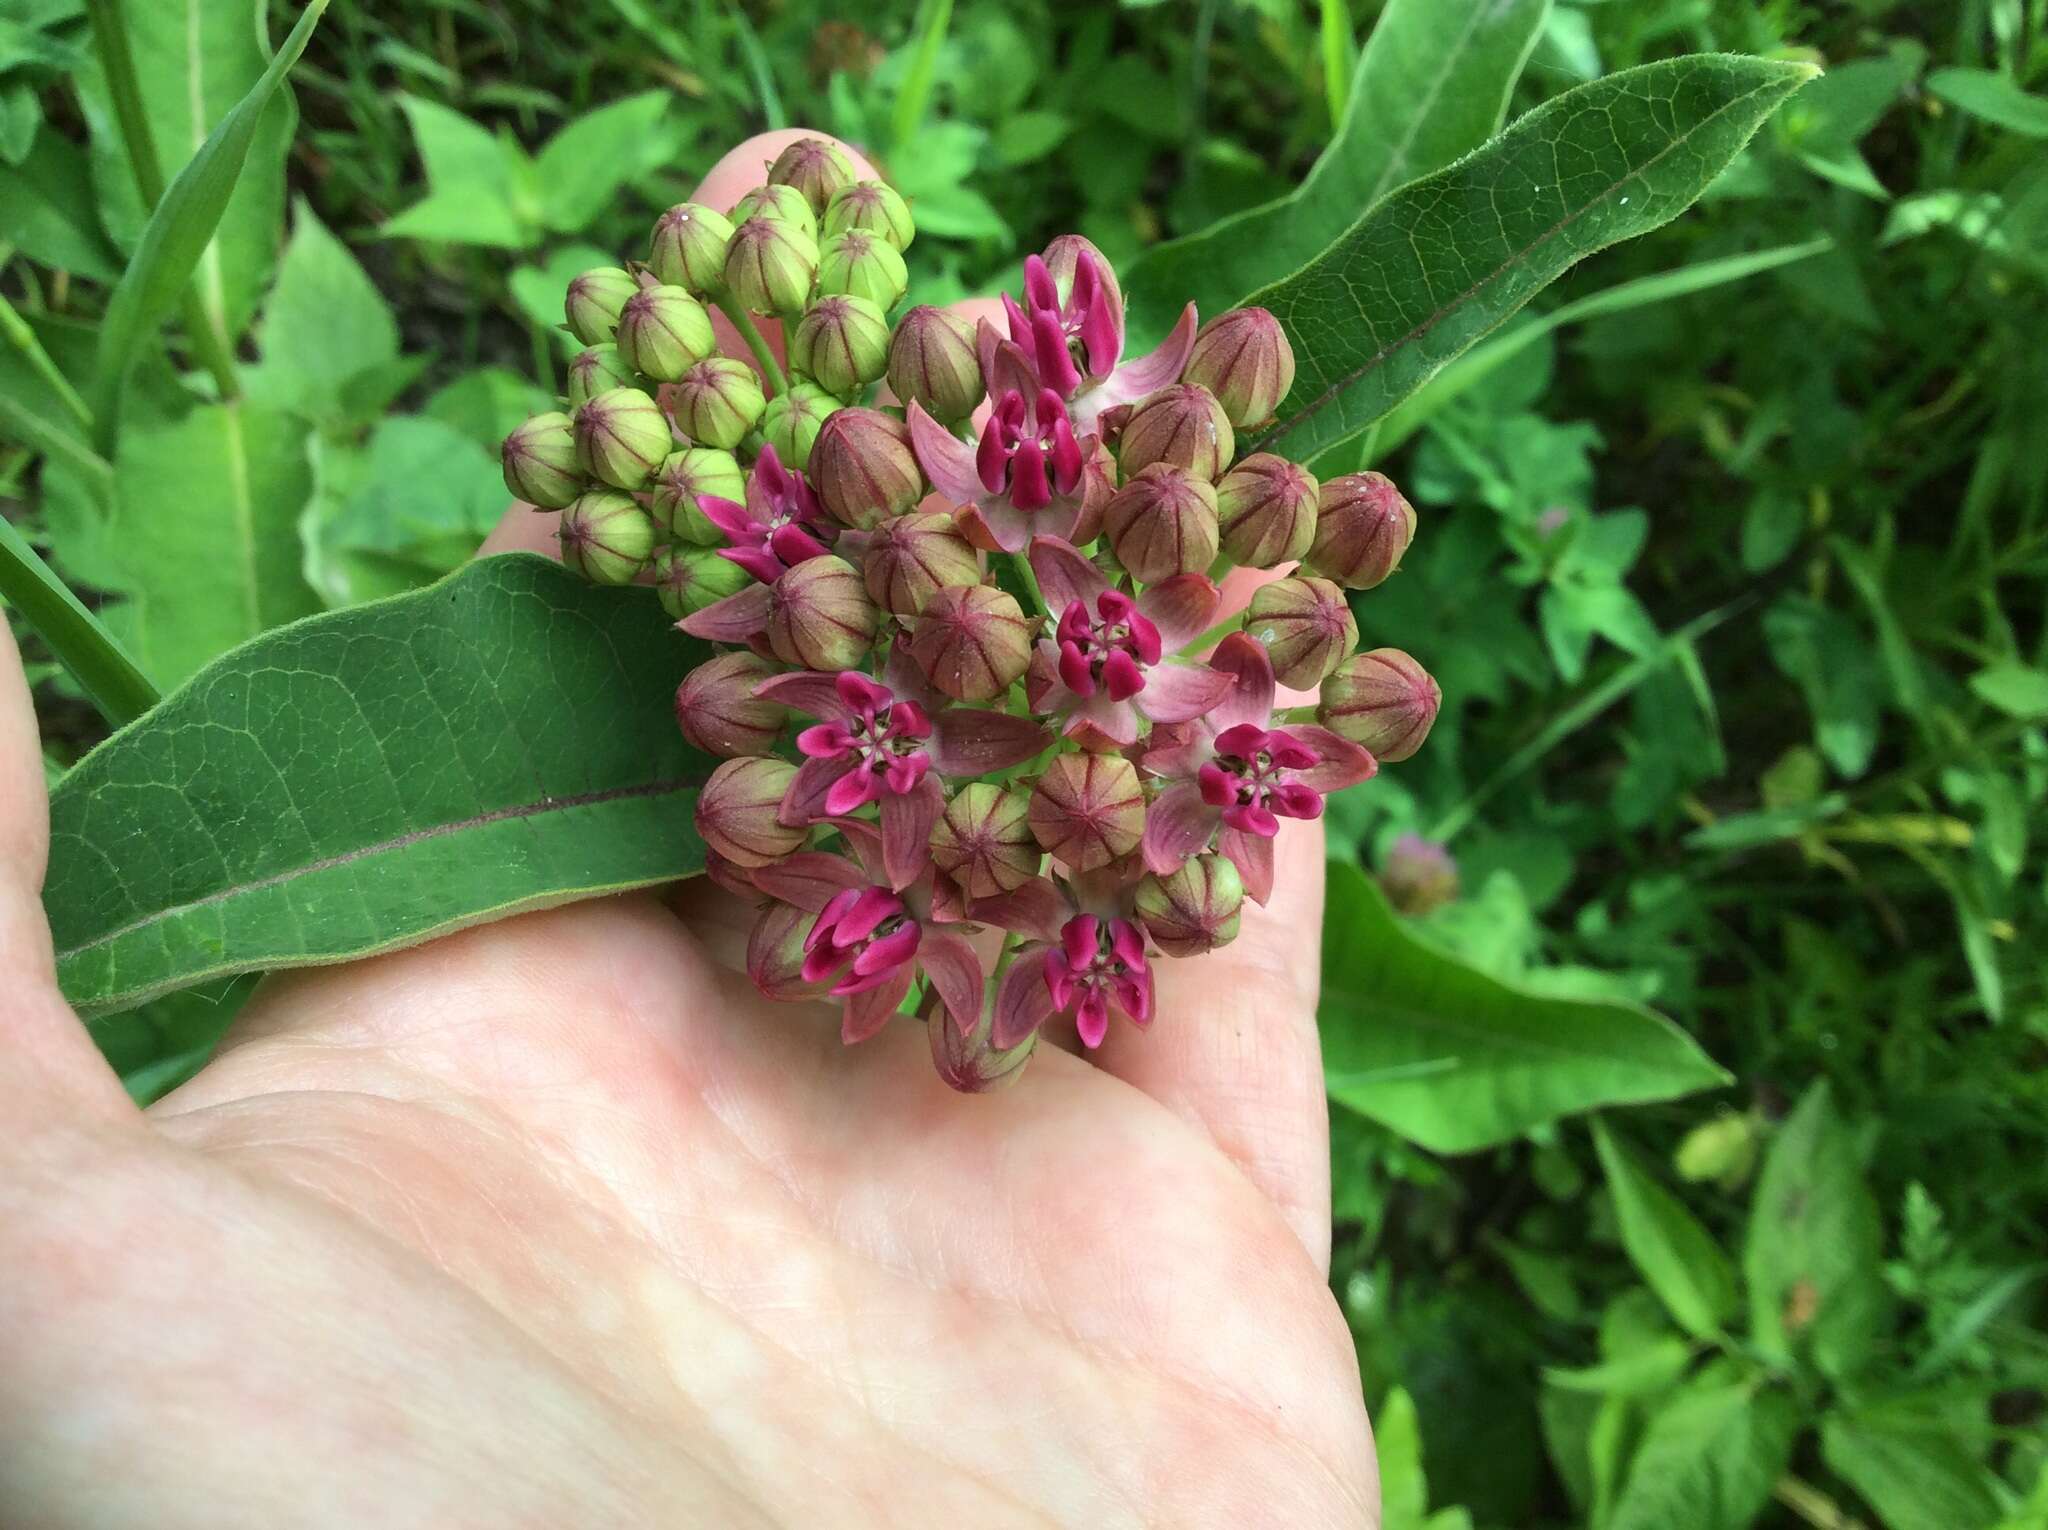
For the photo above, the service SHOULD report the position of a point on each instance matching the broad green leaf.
(1446, 259)
(1815, 1245)
(1993, 96)
(1708, 1460)
(325, 324)
(472, 197)
(2018, 690)
(400, 513)
(1675, 1254)
(371, 778)
(538, 289)
(47, 211)
(1646, 1369)
(485, 405)
(1456, 1060)
(1397, 1439)
(1828, 656)
(175, 242)
(582, 167)
(1915, 1474)
(1430, 85)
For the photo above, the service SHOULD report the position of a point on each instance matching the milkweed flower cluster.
(989, 748)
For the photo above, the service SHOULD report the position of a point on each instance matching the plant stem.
(741, 320)
(115, 683)
(934, 17)
(1212, 637)
(1022, 565)
(46, 438)
(24, 340)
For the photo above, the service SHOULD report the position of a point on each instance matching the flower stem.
(23, 339)
(741, 320)
(1212, 637)
(1022, 565)
(114, 681)
(1007, 954)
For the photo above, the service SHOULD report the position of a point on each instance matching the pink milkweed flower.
(1086, 957)
(1235, 775)
(869, 942)
(779, 526)
(1076, 343)
(881, 744)
(1111, 660)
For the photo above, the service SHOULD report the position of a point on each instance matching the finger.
(49, 1068)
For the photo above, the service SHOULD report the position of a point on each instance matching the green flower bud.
(540, 462)
(860, 264)
(682, 477)
(1063, 258)
(863, 468)
(1382, 700)
(983, 842)
(933, 360)
(972, 642)
(717, 402)
(873, 208)
(842, 344)
(1193, 910)
(594, 370)
(778, 204)
(1306, 627)
(689, 248)
(909, 557)
(690, 578)
(718, 711)
(1722, 1149)
(814, 166)
(1182, 425)
(606, 537)
(1162, 523)
(593, 301)
(622, 436)
(792, 421)
(820, 616)
(1363, 526)
(1266, 510)
(663, 332)
(769, 266)
(1244, 359)
(739, 812)
(972, 1063)
(1087, 809)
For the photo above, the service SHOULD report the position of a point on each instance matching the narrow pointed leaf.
(1676, 1255)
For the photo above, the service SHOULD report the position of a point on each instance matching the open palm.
(555, 1222)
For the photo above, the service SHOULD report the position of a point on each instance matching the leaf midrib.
(1528, 1046)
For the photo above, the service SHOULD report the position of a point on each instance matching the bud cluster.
(967, 670)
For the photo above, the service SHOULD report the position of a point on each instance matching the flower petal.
(1251, 699)
(733, 619)
(947, 460)
(806, 692)
(1149, 373)
(1341, 763)
(973, 741)
(907, 831)
(810, 790)
(856, 787)
(956, 976)
(1252, 855)
(1091, 1019)
(1177, 692)
(810, 879)
(1177, 825)
(1065, 574)
(869, 1011)
(1023, 1002)
(1182, 608)
(1037, 909)
(994, 525)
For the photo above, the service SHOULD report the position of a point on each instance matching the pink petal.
(1148, 374)
(824, 741)
(1074, 672)
(1183, 608)
(811, 789)
(1040, 290)
(907, 831)
(865, 841)
(1251, 700)
(1253, 858)
(757, 561)
(1023, 1002)
(1340, 762)
(856, 787)
(1178, 692)
(1177, 825)
(732, 518)
(1055, 363)
(1251, 818)
(810, 879)
(1091, 1020)
(1102, 331)
(956, 975)
(793, 545)
(1099, 717)
(1292, 799)
(1065, 575)
(1037, 909)
(733, 619)
(947, 461)
(1120, 673)
(1177, 750)
(992, 458)
(1018, 320)
(994, 525)
(869, 1011)
(806, 692)
(1078, 939)
(974, 741)
(1030, 488)
(1243, 741)
(1006, 366)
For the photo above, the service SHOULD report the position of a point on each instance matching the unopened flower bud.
(778, 204)
(972, 641)
(739, 812)
(540, 462)
(775, 953)
(689, 248)
(863, 468)
(792, 420)
(1063, 256)
(1306, 626)
(933, 360)
(717, 402)
(1266, 507)
(910, 556)
(860, 264)
(1419, 875)
(595, 369)
(1193, 910)
(1087, 809)
(605, 537)
(1244, 359)
(873, 208)
(593, 300)
(1363, 525)
(769, 266)
(682, 479)
(1162, 523)
(663, 332)
(621, 437)
(814, 166)
(718, 711)
(1382, 700)
(820, 617)
(690, 578)
(983, 841)
(972, 1063)
(1722, 1149)
(842, 344)
(1182, 425)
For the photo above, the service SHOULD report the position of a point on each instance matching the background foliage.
(1731, 564)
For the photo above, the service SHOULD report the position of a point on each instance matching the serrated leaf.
(1673, 1252)
(370, 778)
(325, 323)
(1431, 84)
(1456, 1060)
(1708, 1460)
(1446, 259)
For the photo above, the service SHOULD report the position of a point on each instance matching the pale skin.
(556, 1223)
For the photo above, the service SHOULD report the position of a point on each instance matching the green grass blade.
(114, 682)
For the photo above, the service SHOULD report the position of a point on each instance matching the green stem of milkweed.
(1212, 637)
(114, 681)
(1029, 579)
(741, 320)
(24, 340)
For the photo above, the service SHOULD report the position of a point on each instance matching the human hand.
(556, 1221)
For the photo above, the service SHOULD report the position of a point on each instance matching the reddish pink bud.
(1266, 511)
(1363, 525)
(983, 842)
(972, 642)
(775, 953)
(718, 711)
(739, 812)
(816, 167)
(541, 462)
(842, 343)
(1088, 809)
(1194, 909)
(933, 361)
(820, 617)
(1063, 258)
(911, 556)
(1244, 359)
(863, 468)
(1182, 425)
(621, 437)
(1162, 523)
(1307, 627)
(1419, 875)
(1383, 701)
(972, 1063)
